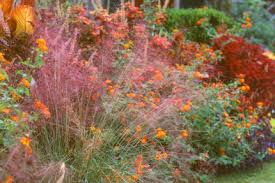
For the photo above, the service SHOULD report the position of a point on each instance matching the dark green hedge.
(186, 19)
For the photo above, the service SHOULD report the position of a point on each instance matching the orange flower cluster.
(186, 107)
(9, 179)
(228, 122)
(139, 167)
(160, 18)
(144, 140)
(247, 23)
(184, 134)
(26, 142)
(42, 108)
(160, 133)
(110, 87)
(3, 59)
(161, 156)
(244, 87)
(25, 83)
(271, 151)
(158, 76)
(2, 77)
(42, 45)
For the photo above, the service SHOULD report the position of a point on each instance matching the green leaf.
(272, 123)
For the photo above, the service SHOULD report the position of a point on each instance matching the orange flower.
(241, 76)
(2, 77)
(139, 165)
(9, 179)
(131, 95)
(108, 81)
(138, 128)
(270, 151)
(185, 108)
(158, 76)
(200, 21)
(2, 58)
(160, 133)
(245, 88)
(247, 125)
(144, 140)
(15, 118)
(161, 156)
(6, 110)
(42, 108)
(229, 123)
(25, 82)
(25, 141)
(226, 114)
(180, 67)
(131, 105)
(15, 97)
(184, 134)
(42, 45)
(260, 104)
(242, 80)
(141, 104)
(198, 75)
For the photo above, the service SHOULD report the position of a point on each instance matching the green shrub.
(262, 31)
(187, 18)
(219, 129)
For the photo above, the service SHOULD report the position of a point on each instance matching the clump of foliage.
(262, 30)
(243, 58)
(198, 24)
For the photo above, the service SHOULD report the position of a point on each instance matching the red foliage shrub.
(241, 57)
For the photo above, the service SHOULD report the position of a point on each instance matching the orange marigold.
(42, 45)
(42, 108)
(25, 82)
(161, 133)
(184, 134)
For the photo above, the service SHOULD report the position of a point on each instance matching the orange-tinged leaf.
(28, 2)
(23, 17)
(6, 6)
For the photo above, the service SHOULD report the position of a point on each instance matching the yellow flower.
(128, 45)
(95, 130)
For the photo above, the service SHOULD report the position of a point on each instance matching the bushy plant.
(249, 60)
(262, 28)
(220, 129)
(191, 20)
